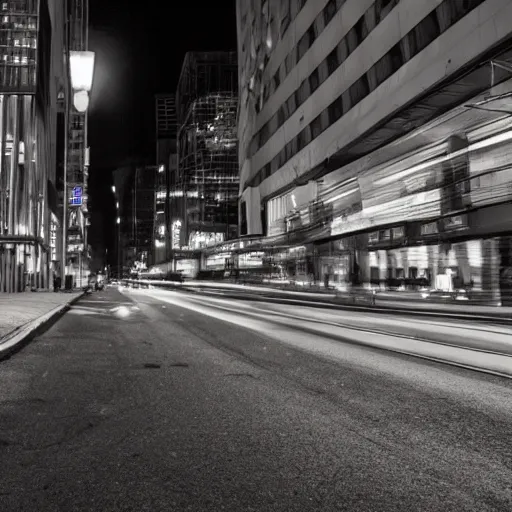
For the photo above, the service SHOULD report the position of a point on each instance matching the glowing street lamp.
(81, 72)
(81, 66)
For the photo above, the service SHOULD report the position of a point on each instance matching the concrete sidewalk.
(22, 314)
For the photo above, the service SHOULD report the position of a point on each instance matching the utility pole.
(65, 193)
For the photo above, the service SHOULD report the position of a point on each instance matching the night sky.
(140, 48)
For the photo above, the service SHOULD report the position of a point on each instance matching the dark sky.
(139, 52)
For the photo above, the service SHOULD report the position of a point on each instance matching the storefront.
(470, 248)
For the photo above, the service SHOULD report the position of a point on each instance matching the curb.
(21, 336)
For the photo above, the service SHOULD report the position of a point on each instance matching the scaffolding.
(208, 174)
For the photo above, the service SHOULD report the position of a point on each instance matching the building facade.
(167, 164)
(134, 185)
(375, 141)
(32, 75)
(207, 182)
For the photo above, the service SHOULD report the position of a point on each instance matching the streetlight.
(118, 222)
(81, 73)
(81, 65)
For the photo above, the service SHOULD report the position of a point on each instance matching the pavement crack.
(180, 365)
(66, 438)
(152, 366)
(250, 375)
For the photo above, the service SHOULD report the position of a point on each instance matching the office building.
(207, 148)
(134, 191)
(32, 78)
(375, 141)
(167, 164)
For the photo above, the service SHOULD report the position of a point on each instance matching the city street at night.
(160, 400)
(263, 263)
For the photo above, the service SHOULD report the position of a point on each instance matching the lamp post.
(81, 73)
(118, 221)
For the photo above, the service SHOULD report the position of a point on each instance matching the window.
(281, 157)
(303, 46)
(319, 24)
(280, 116)
(304, 138)
(360, 30)
(333, 61)
(286, 19)
(303, 92)
(288, 150)
(297, 98)
(314, 81)
(323, 71)
(352, 40)
(316, 127)
(292, 104)
(329, 11)
(335, 110)
(273, 166)
(266, 92)
(288, 63)
(426, 31)
(311, 35)
(277, 80)
(383, 8)
(324, 117)
(359, 90)
(397, 59)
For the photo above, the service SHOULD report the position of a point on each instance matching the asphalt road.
(155, 407)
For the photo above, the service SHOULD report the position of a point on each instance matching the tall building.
(375, 140)
(167, 164)
(207, 184)
(32, 76)
(135, 185)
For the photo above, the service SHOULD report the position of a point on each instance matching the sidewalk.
(21, 314)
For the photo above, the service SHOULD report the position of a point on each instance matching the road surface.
(135, 403)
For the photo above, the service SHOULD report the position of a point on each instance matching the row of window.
(430, 28)
(291, 9)
(356, 35)
(304, 44)
(290, 13)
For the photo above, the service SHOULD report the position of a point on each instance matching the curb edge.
(15, 341)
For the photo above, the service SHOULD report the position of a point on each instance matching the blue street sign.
(76, 198)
